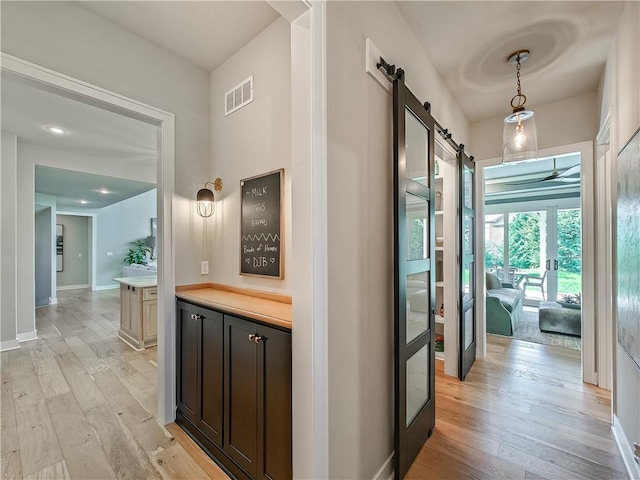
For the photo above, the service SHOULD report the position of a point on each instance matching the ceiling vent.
(238, 96)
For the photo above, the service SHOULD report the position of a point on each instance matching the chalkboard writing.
(261, 225)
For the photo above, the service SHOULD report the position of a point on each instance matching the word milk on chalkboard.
(261, 225)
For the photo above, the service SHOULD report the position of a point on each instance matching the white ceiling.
(469, 42)
(91, 131)
(204, 32)
(27, 110)
(71, 188)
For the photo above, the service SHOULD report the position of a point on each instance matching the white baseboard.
(9, 345)
(28, 336)
(386, 470)
(633, 469)
(107, 287)
(72, 287)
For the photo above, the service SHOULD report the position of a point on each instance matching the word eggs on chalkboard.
(261, 225)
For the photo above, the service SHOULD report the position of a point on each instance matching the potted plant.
(138, 253)
(572, 301)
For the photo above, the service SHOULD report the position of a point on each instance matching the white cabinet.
(138, 311)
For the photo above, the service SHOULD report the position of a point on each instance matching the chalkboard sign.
(261, 225)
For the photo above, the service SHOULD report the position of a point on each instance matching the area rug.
(529, 331)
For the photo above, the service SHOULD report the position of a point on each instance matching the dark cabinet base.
(234, 391)
(216, 454)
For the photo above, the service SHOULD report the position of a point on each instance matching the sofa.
(504, 306)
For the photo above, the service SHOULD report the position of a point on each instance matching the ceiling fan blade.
(570, 171)
(526, 182)
(568, 180)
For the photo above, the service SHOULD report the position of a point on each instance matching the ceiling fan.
(555, 176)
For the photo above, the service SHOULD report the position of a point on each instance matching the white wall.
(43, 234)
(360, 225)
(569, 121)
(69, 39)
(119, 225)
(50, 202)
(621, 95)
(253, 140)
(8, 217)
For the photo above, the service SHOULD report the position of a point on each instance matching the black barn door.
(467, 329)
(414, 249)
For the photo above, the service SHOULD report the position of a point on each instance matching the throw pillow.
(493, 281)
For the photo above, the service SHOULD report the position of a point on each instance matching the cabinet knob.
(252, 337)
(195, 316)
(258, 339)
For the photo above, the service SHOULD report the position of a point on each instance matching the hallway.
(522, 413)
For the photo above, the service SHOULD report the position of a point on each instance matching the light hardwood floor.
(78, 403)
(522, 413)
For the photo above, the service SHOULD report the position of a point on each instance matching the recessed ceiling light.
(57, 130)
(104, 190)
(83, 202)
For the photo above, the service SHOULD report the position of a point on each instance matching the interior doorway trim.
(587, 204)
(93, 95)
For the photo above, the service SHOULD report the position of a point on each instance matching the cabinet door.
(125, 307)
(211, 346)
(274, 404)
(188, 364)
(240, 412)
(150, 320)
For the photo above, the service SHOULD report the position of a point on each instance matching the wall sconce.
(205, 198)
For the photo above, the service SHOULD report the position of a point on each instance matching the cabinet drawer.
(150, 294)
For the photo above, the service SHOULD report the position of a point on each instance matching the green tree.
(524, 240)
(494, 255)
(569, 241)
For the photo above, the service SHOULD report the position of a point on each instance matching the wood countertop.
(138, 282)
(237, 302)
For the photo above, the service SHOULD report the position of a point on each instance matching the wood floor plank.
(80, 448)
(10, 465)
(125, 456)
(196, 453)
(140, 422)
(57, 471)
(176, 464)
(537, 465)
(50, 377)
(91, 362)
(84, 389)
(38, 442)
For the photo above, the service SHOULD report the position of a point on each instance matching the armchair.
(537, 282)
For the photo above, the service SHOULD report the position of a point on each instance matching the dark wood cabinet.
(238, 403)
(200, 368)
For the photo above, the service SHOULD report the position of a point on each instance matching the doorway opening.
(533, 247)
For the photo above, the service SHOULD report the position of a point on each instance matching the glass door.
(567, 263)
(414, 276)
(543, 256)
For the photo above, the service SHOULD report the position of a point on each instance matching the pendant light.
(520, 138)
